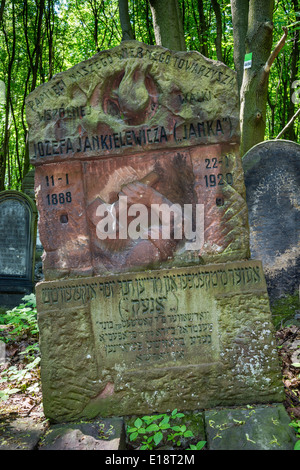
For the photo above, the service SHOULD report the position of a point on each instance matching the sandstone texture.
(156, 126)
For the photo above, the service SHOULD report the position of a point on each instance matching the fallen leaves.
(288, 340)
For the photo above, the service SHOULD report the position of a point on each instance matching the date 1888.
(61, 197)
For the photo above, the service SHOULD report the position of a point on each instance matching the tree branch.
(288, 124)
(275, 53)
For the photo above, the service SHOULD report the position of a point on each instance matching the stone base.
(188, 338)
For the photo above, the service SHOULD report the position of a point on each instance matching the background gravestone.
(272, 179)
(28, 188)
(143, 325)
(18, 225)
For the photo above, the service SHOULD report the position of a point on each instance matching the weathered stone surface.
(272, 178)
(21, 434)
(18, 226)
(101, 434)
(254, 428)
(186, 338)
(147, 123)
(146, 327)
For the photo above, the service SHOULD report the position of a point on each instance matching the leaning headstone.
(272, 179)
(133, 318)
(18, 225)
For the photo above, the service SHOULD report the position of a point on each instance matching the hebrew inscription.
(141, 342)
(158, 318)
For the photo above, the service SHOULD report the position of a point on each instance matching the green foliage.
(23, 319)
(284, 309)
(296, 425)
(155, 430)
(21, 322)
(72, 31)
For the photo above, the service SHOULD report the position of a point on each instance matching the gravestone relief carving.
(150, 301)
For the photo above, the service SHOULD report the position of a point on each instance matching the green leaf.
(133, 436)
(141, 430)
(297, 446)
(174, 412)
(3, 395)
(13, 390)
(158, 437)
(165, 426)
(200, 445)
(188, 434)
(153, 427)
(296, 364)
(138, 423)
(165, 420)
(180, 429)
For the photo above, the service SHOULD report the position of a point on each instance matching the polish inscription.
(143, 53)
(197, 132)
(192, 112)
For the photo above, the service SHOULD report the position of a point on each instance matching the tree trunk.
(217, 10)
(167, 22)
(240, 11)
(202, 29)
(127, 32)
(253, 81)
(291, 135)
(11, 49)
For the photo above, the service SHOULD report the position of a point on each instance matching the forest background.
(40, 38)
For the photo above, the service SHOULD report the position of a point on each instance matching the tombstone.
(28, 184)
(272, 179)
(134, 319)
(18, 222)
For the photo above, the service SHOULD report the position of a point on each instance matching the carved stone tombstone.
(272, 179)
(18, 225)
(133, 318)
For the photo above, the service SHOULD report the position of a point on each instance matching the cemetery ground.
(23, 425)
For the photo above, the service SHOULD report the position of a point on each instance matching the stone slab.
(187, 338)
(251, 428)
(272, 179)
(21, 434)
(100, 434)
(18, 227)
(144, 122)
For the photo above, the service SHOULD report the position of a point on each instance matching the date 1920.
(218, 180)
